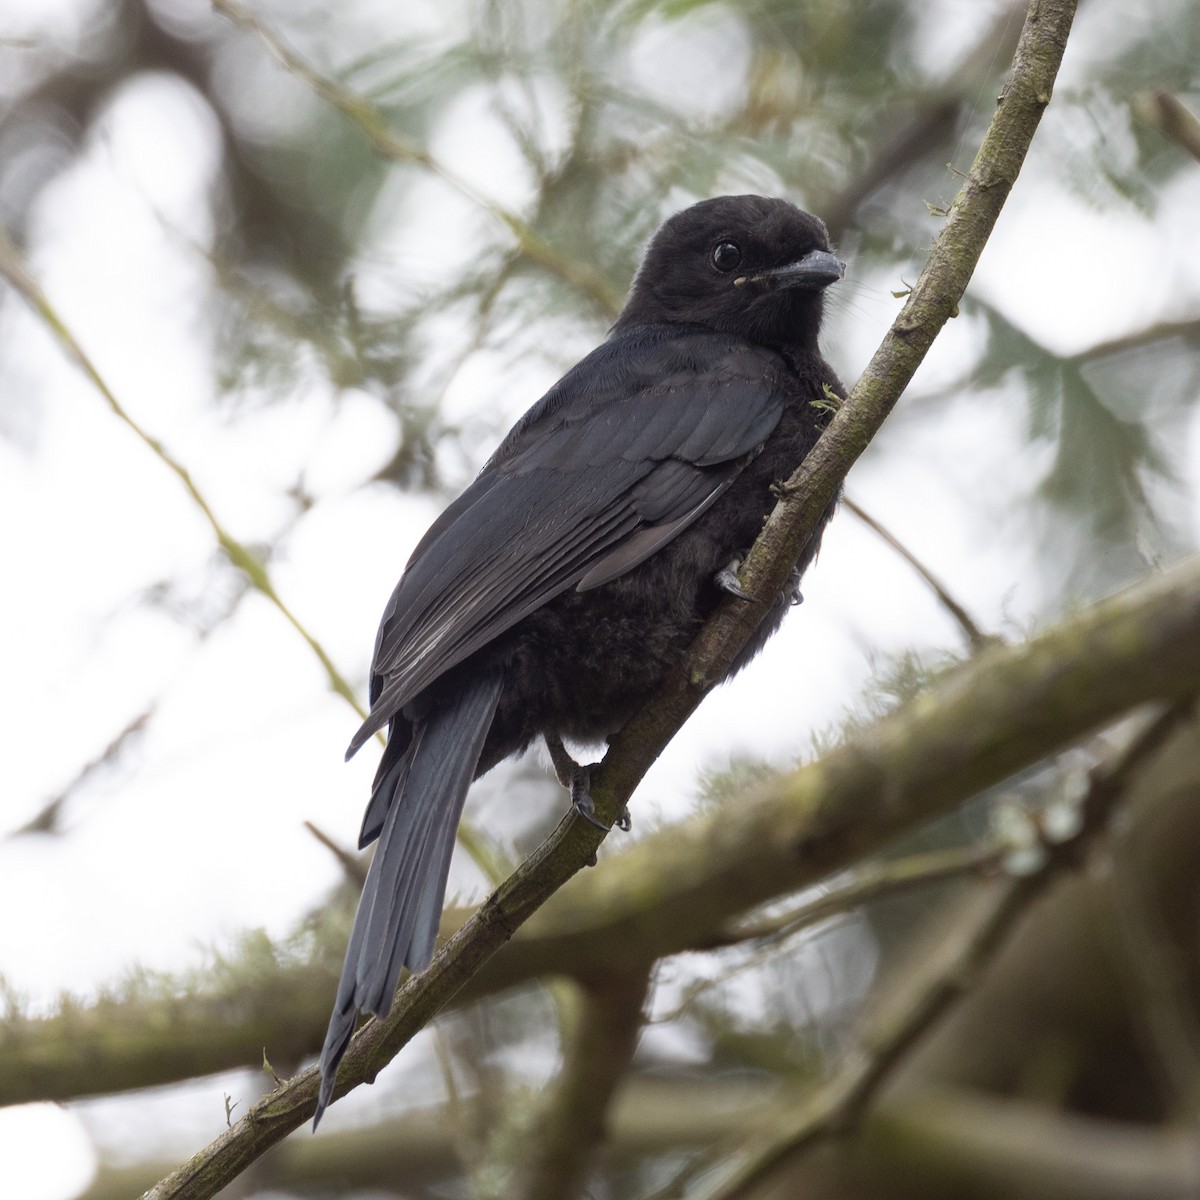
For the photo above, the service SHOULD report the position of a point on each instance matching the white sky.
(201, 836)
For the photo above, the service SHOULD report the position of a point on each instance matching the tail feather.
(401, 904)
(389, 782)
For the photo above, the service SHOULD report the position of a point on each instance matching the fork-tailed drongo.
(553, 596)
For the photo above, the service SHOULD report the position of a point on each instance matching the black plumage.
(551, 598)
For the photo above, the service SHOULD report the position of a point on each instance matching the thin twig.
(1140, 339)
(13, 269)
(352, 864)
(1151, 335)
(870, 882)
(48, 818)
(974, 635)
(392, 145)
(1171, 118)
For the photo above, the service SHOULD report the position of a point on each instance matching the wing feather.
(626, 451)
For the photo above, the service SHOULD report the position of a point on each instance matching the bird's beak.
(816, 270)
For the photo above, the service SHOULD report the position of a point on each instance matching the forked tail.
(396, 924)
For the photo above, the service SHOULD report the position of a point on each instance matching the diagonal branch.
(242, 557)
(392, 145)
(676, 889)
(975, 636)
(814, 485)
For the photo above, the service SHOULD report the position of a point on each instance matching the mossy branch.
(680, 888)
(942, 979)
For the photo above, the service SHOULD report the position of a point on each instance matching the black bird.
(553, 596)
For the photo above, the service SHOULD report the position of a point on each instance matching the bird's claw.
(581, 796)
(727, 580)
(578, 779)
(791, 594)
(582, 803)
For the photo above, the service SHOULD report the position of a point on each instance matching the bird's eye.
(726, 256)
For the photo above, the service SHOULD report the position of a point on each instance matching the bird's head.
(746, 265)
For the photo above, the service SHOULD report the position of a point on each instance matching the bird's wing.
(627, 450)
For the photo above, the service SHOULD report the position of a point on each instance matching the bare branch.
(575, 1115)
(1171, 118)
(394, 146)
(13, 269)
(975, 636)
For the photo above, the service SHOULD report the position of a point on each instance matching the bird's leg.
(727, 580)
(577, 780)
(564, 765)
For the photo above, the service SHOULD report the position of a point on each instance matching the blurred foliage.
(593, 120)
(604, 117)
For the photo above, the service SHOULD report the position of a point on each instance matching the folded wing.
(625, 452)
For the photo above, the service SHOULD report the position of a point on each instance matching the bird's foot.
(582, 803)
(581, 796)
(791, 594)
(577, 780)
(727, 580)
